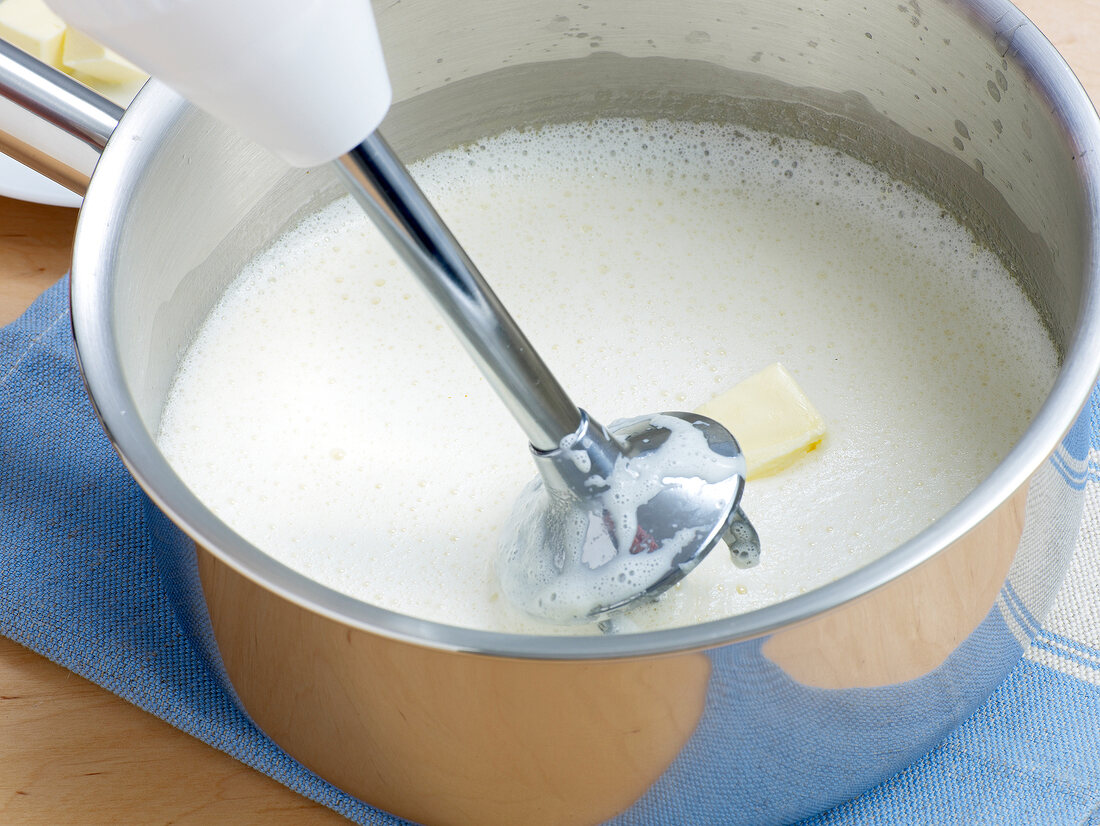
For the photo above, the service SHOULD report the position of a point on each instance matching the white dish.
(23, 183)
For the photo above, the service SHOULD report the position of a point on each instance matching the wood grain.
(35, 248)
(70, 752)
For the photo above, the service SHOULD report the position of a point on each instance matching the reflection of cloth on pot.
(810, 745)
(78, 584)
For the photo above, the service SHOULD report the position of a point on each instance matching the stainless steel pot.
(763, 717)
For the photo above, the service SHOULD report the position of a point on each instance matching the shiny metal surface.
(53, 124)
(572, 553)
(389, 195)
(782, 711)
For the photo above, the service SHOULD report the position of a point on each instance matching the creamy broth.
(326, 413)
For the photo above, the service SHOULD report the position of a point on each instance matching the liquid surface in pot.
(326, 413)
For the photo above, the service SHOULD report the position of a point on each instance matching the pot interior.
(932, 94)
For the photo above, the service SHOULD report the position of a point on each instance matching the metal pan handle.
(50, 122)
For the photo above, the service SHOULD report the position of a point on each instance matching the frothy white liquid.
(328, 416)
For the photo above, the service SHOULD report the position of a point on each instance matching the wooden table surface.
(71, 752)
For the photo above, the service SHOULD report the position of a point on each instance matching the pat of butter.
(32, 27)
(771, 418)
(85, 58)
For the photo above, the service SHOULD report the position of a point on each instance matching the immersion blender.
(615, 516)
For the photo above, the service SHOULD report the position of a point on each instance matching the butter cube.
(85, 58)
(771, 418)
(31, 26)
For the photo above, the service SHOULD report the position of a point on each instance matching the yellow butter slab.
(772, 419)
(85, 57)
(31, 26)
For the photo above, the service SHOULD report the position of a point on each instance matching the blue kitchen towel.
(78, 584)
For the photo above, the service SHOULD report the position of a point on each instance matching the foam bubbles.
(653, 265)
(564, 563)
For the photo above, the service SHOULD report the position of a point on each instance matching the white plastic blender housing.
(307, 80)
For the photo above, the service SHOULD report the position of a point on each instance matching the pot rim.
(95, 249)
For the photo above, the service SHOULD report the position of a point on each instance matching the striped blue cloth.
(79, 586)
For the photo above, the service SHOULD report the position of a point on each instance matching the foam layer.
(565, 562)
(327, 415)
